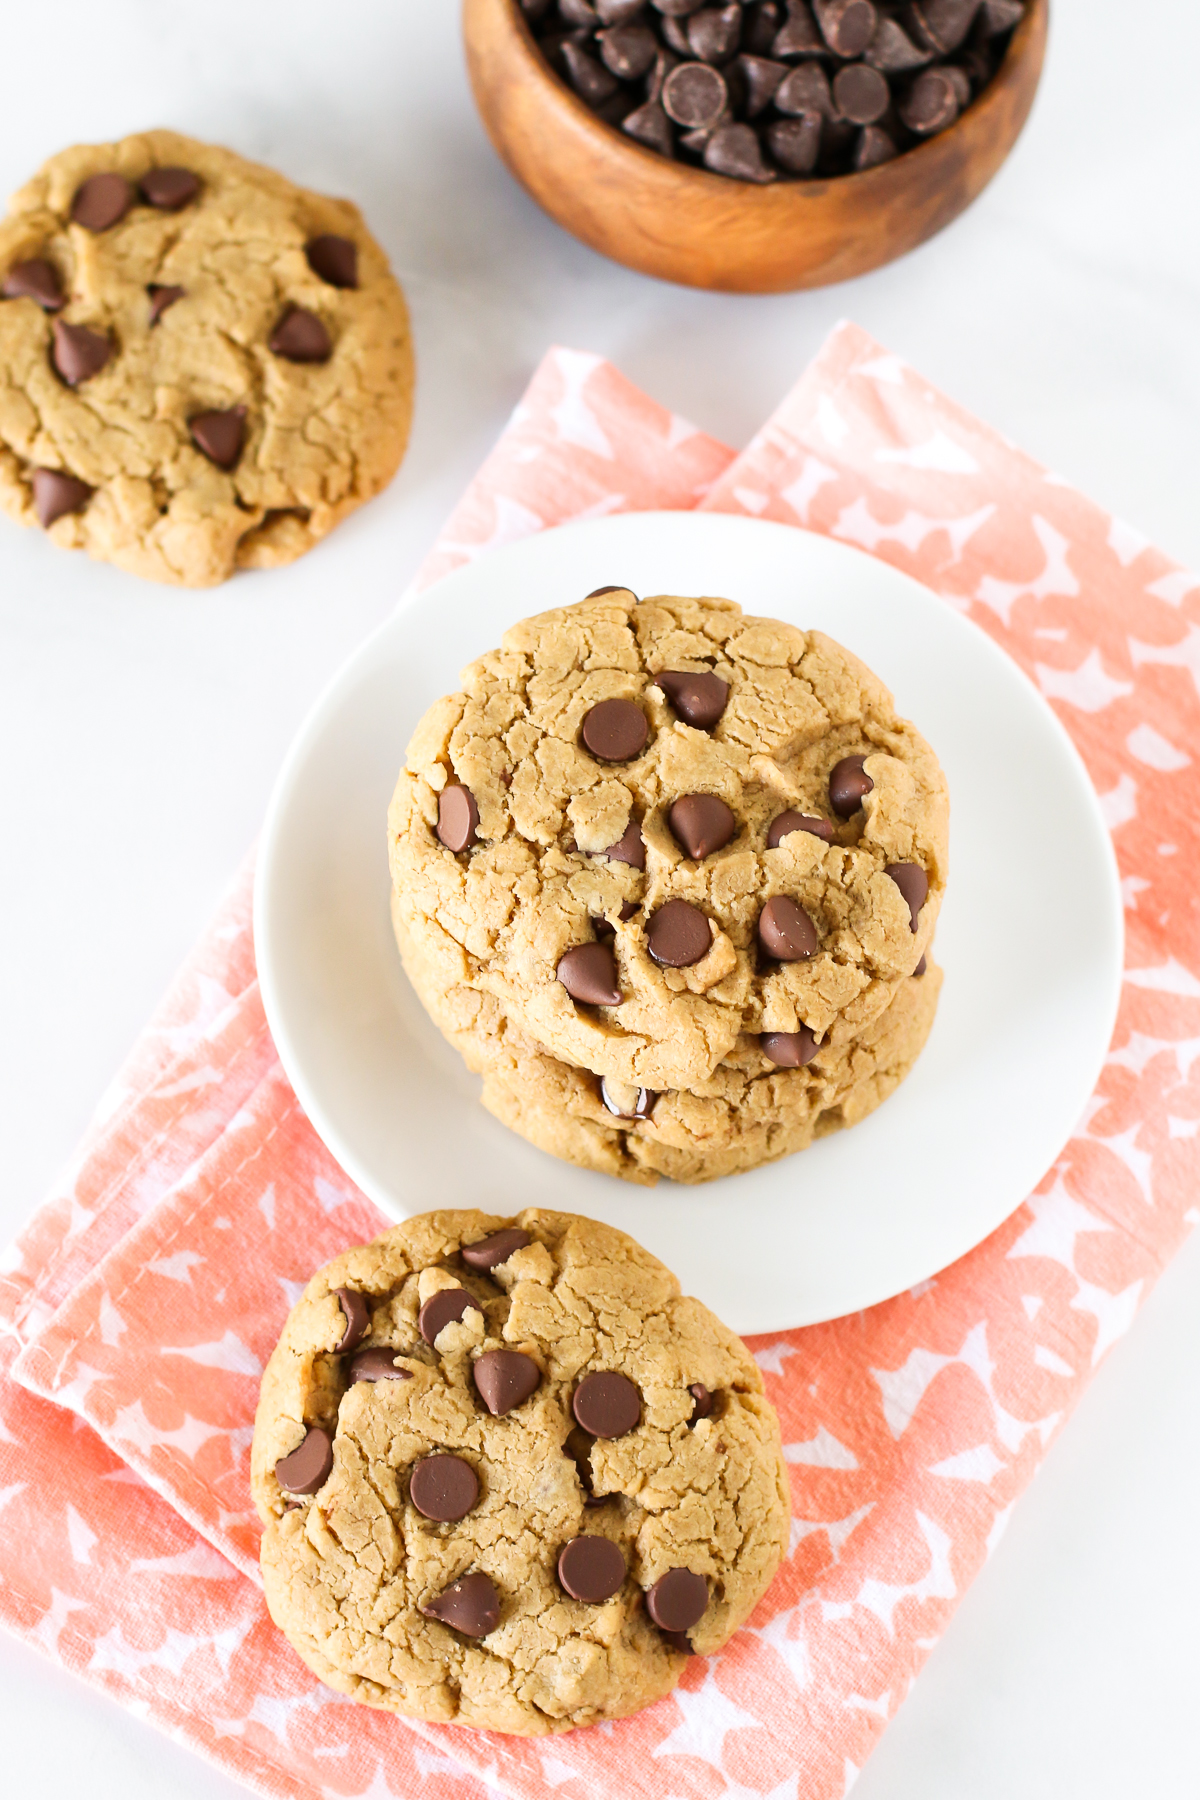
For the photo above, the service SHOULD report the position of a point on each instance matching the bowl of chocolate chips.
(754, 147)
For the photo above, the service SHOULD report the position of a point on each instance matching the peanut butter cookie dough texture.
(668, 877)
(510, 1477)
(203, 367)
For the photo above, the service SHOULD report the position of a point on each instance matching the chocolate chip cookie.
(203, 367)
(657, 834)
(509, 1476)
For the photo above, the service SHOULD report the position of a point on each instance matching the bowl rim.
(1029, 32)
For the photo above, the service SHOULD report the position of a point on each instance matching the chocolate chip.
(675, 34)
(590, 79)
(846, 25)
(789, 1049)
(760, 26)
(920, 969)
(447, 1307)
(1001, 15)
(734, 150)
(805, 90)
(307, 1467)
(607, 1404)
(161, 298)
(860, 94)
(931, 103)
(169, 189)
(220, 435)
(893, 51)
(943, 24)
(678, 1600)
(55, 495)
(376, 1364)
(78, 352)
(714, 31)
(650, 125)
(701, 824)
(617, 12)
(677, 9)
(848, 783)
(702, 1402)
(458, 817)
(678, 935)
(470, 1605)
(579, 12)
(589, 974)
(785, 930)
(489, 1252)
(443, 1487)
(504, 1378)
(699, 699)
(614, 587)
(874, 146)
(798, 36)
(300, 337)
(37, 280)
(628, 50)
(358, 1318)
(796, 143)
(334, 259)
(786, 822)
(591, 1569)
(913, 883)
(760, 75)
(619, 1103)
(101, 201)
(629, 847)
(615, 730)
(680, 1641)
(694, 95)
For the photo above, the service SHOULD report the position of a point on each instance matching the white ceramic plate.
(1030, 936)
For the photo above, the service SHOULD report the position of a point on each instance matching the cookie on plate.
(510, 1477)
(203, 367)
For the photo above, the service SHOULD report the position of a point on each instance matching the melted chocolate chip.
(443, 1487)
(161, 298)
(220, 435)
(55, 495)
(300, 337)
(678, 1600)
(78, 352)
(591, 1569)
(504, 1378)
(307, 1467)
(678, 934)
(701, 824)
(679, 1640)
(101, 201)
(788, 822)
(627, 1103)
(489, 1252)
(376, 1364)
(789, 1049)
(334, 259)
(785, 930)
(458, 817)
(848, 784)
(37, 280)
(702, 1401)
(358, 1318)
(913, 883)
(447, 1307)
(629, 847)
(470, 1605)
(920, 969)
(169, 189)
(589, 974)
(607, 1404)
(615, 730)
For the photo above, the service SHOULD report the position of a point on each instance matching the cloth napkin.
(140, 1303)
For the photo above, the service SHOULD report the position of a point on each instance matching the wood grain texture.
(685, 225)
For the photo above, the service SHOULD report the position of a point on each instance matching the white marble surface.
(140, 728)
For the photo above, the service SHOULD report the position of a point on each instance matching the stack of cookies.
(667, 876)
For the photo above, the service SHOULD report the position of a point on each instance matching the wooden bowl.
(684, 224)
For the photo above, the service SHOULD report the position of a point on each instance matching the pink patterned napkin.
(141, 1301)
